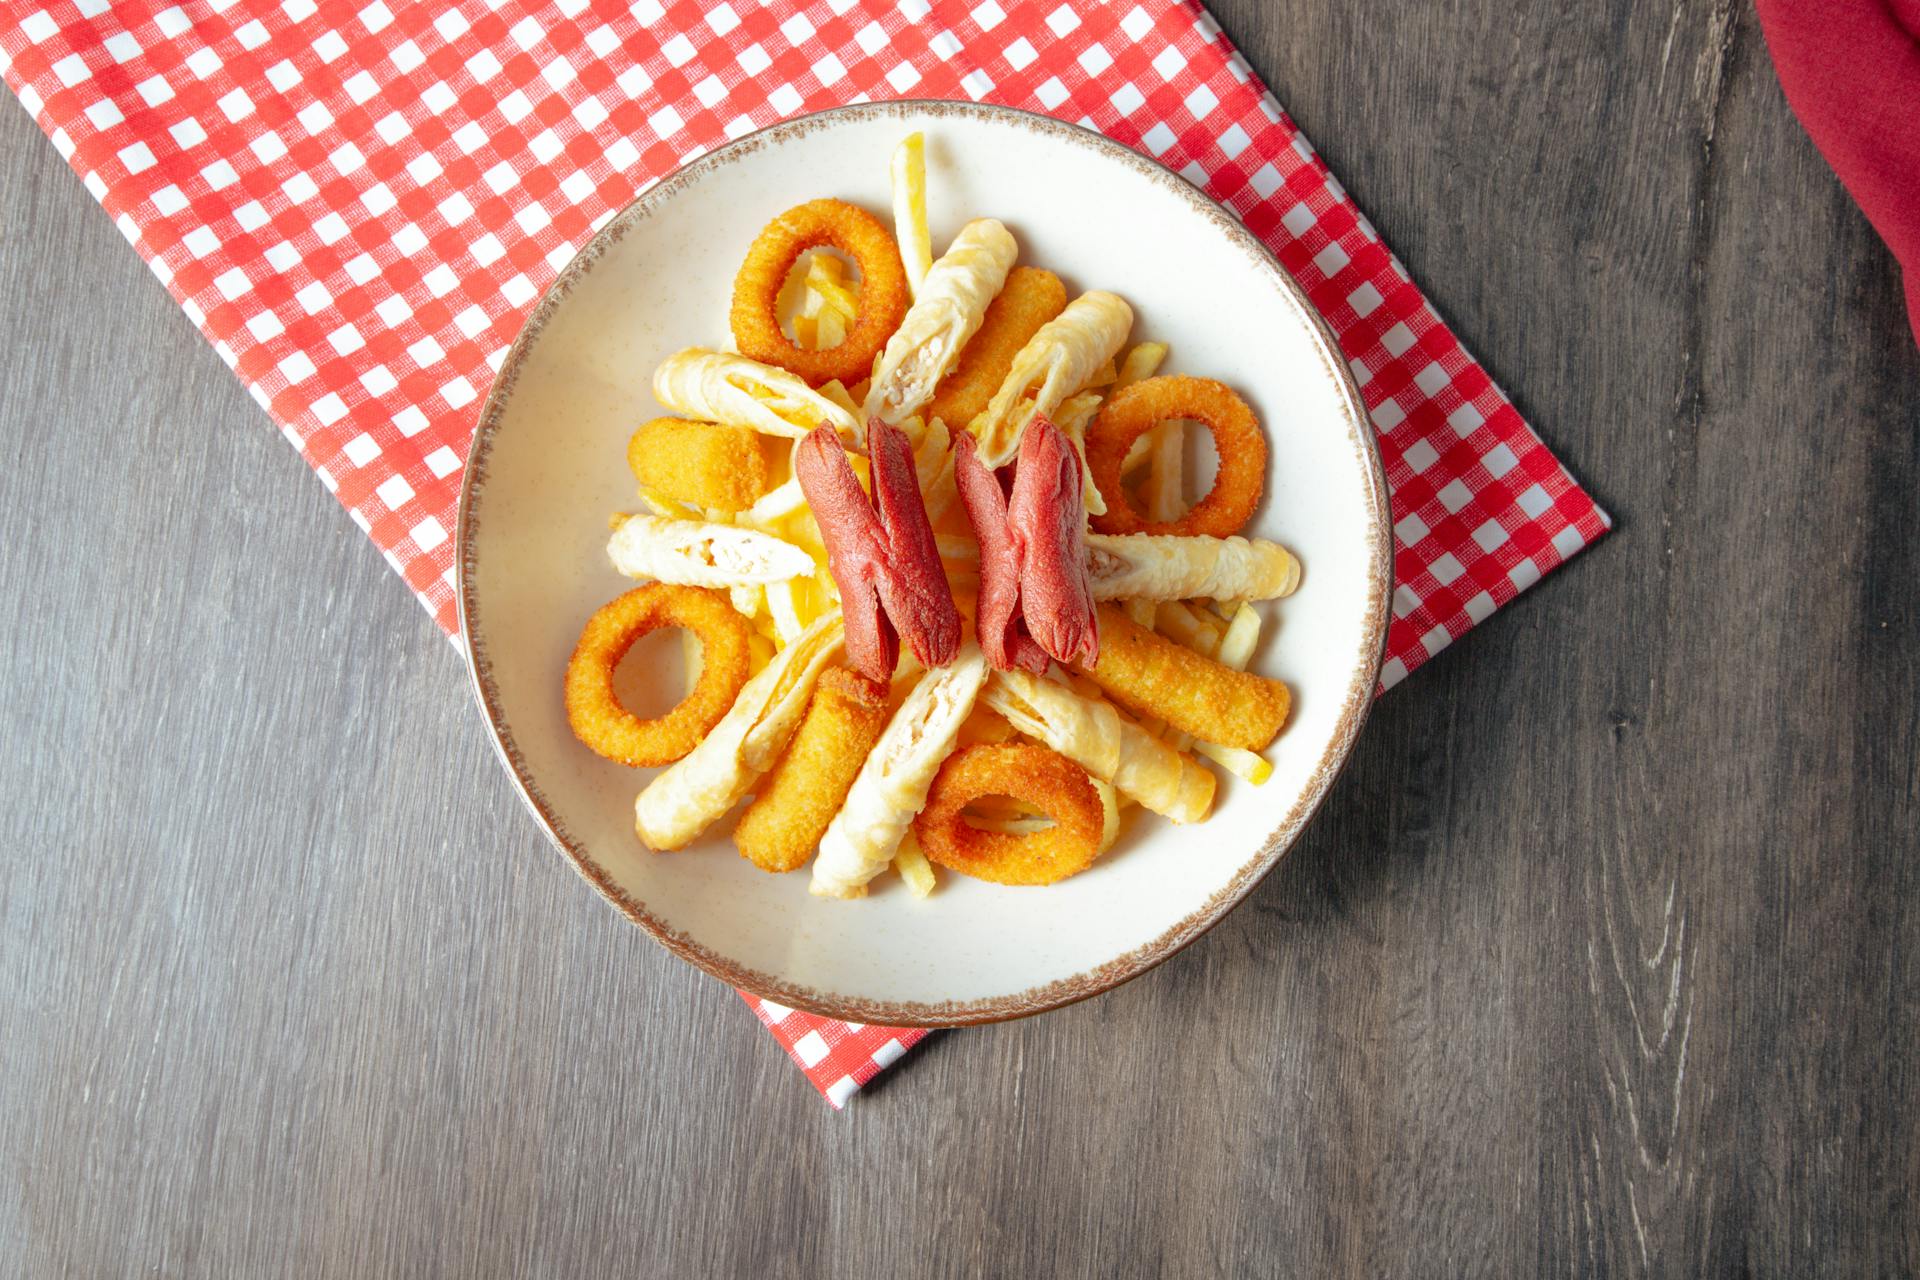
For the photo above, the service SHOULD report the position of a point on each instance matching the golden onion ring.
(883, 290)
(595, 713)
(1042, 779)
(1237, 438)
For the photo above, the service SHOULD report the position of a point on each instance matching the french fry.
(690, 655)
(1237, 760)
(1174, 620)
(1110, 807)
(1165, 489)
(1075, 412)
(1141, 363)
(1017, 820)
(827, 282)
(759, 652)
(828, 304)
(999, 809)
(909, 170)
(957, 547)
(837, 393)
(1021, 826)
(775, 505)
(668, 508)
(984, 725)
(1072, 417)
(914, 867)
(1236, 650)
(1243, 633)
(784, 612)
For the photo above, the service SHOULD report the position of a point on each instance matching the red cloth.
(358, 204)
(1851, 69)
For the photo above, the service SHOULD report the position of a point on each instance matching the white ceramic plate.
(548, 464)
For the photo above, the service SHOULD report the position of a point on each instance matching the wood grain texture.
(1604, 959)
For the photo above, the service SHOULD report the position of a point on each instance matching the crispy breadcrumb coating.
(610, 729)
(1031, 297)
(1237, 438)
(1153, 676)
(1041, 778)
(707, 465)
(799, 796)
(883, 290)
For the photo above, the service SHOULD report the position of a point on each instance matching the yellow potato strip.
(913, 866)
(909, 173)
(1141, 363)
(1164, 491)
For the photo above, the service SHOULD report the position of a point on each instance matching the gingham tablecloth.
(357, 203)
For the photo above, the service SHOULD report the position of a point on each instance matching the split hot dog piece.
(1036, 599)
(881, 551)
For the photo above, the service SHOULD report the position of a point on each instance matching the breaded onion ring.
(708, 465)
(883, 290)
(610, 729)
(1042, 779)
(1030, 297)
(798, 798)
(1237, 438)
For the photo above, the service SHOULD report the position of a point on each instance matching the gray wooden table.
(1603, 959)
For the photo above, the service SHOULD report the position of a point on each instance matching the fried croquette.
(1153, 676)
(707, 465)
(1030, 297)
(798, 798)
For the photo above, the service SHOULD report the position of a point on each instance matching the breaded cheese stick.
(1153, 676)
(704, 464)
(781, 828)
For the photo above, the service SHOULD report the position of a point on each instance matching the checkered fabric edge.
(358, 203)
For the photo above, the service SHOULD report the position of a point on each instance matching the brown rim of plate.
(1065, 991)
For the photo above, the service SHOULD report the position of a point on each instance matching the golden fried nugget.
(596, 715)
(1034, 775)
(703, 464)
(799, 796)
(1030, 298)
(1153, 676)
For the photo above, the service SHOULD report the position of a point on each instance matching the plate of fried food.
(924, 563)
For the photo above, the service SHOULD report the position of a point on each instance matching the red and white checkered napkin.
(357, 205)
